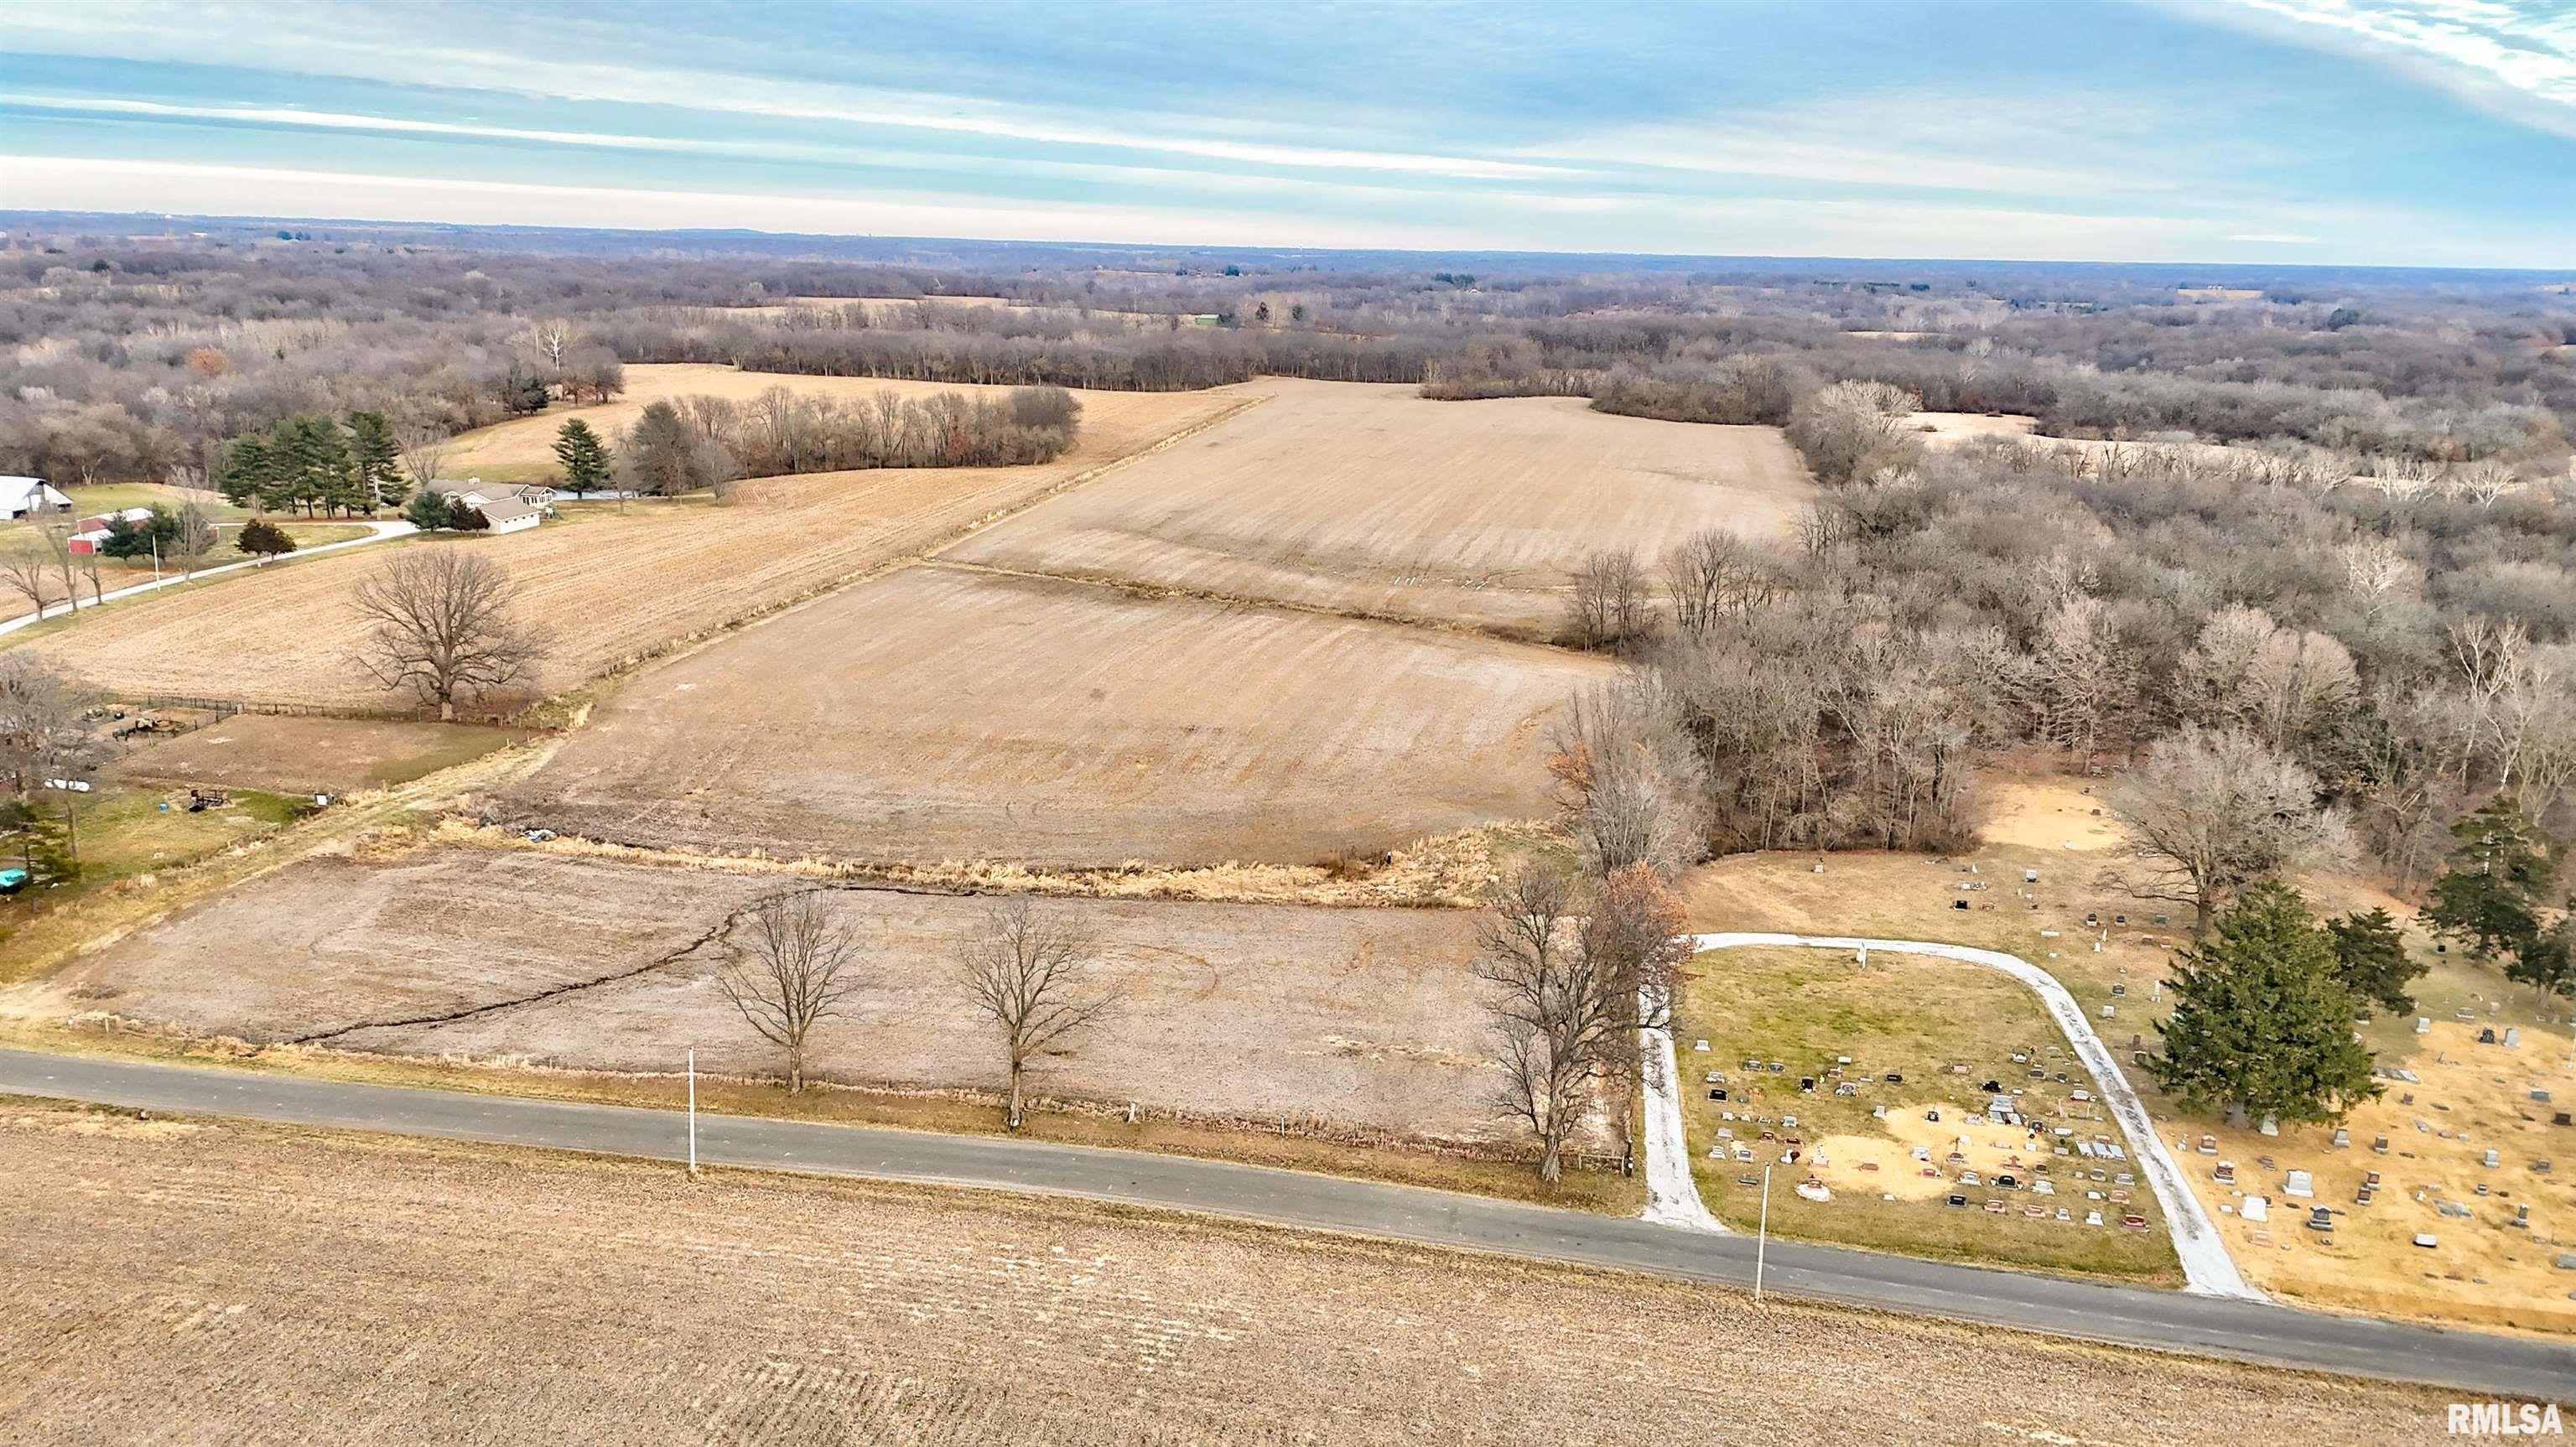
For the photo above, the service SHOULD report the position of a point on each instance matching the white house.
(28, 496)
(508, 509)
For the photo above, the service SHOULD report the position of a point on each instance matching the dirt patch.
(1372, 500)
(341, 1287)
(943, 714)
(1363, 1018)
(309, 755)
(616, 583)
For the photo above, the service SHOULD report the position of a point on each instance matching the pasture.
(1361, 1019)
(616, 582)
(1371, 500)
(946, 714)
(233, 1281)
(308, 755)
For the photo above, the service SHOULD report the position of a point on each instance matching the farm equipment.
(144, 724)
(200, 800)
(13, 880)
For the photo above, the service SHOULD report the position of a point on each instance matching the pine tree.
(2489, 895)
(584, 457)
(378, 462)
(249, 470)
(2261, 1025)
(2371, 959)
(2547, 960)
(427, 511)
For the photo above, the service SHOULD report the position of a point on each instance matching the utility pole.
(1762, 1237)
(693, 1113)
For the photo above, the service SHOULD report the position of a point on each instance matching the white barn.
(28, 496)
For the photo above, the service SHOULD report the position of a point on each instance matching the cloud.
(2268, 238)
(2515, 60)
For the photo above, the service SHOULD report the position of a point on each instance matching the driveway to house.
(2519, 1367)
(380, 532)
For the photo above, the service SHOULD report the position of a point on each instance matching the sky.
(2391, 132)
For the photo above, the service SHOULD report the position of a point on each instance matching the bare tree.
(1027, 972)
(445, 626)
(44, 732)
(793, 975)
(28, 572)
(1608, 606)
(2210, 812)
(1569, 995)
(424, 451)
(193, 539)
(1713, 576)
(57, 536)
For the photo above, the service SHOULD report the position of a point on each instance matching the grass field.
(523, 448)
(125, 833)
(2484, 1272)
(309, 755)
(241, 1282)
(1372, 500)
(944, 714)
(1917, 1019)
(615, 583)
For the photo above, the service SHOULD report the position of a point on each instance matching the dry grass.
(523, 448)
(1918, 1019)
(309, 755)
(617, 584)
(1361, 1023)
(939, 714)
(1370, 500)
(233, 1282)
(2484, 1273)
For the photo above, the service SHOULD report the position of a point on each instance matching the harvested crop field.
(309, 755)
(228, 1282)
(1364, 1018)
(616, 584)
(1370, 499)
(944, 714)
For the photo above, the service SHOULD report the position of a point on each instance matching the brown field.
(616, 584)
(182, 1280)
(1371, 500)
(309, 755)
(523, 448)
(943, 714)
(2484, 1271)
(1363, 1018)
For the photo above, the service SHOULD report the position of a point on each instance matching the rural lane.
(379, 532)
(2253, 1331)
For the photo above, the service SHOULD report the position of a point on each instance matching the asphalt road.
(2494, 1365)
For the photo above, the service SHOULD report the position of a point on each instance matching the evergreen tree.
(138, 539)
(2371, 959)
(249, 470)
(2547, 960)
(427, 511)
(2261, 1025)
(263, 538)
(584, 457)
(377, 459)
(2489, 895)
(465, 517)
(324, 475)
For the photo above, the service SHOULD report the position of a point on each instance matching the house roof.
(454, 486)
(508, 509)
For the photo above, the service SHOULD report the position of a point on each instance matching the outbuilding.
(30, 497)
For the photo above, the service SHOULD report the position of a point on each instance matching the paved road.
(2496, 1365)
(378, 532)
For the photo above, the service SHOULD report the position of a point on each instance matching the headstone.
(2300, 1184)
(2424, 1239)
(2492, 1160)
(2342, 1137)
(1700, 1046)
(2513, 1037)
(2256, 1208)
(2423, 1024)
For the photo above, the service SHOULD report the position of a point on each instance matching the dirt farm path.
(2215, 1326)
(2207, 1268)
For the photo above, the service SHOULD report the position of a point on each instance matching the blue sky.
(2410, 132)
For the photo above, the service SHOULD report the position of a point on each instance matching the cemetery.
(1908, 1105)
